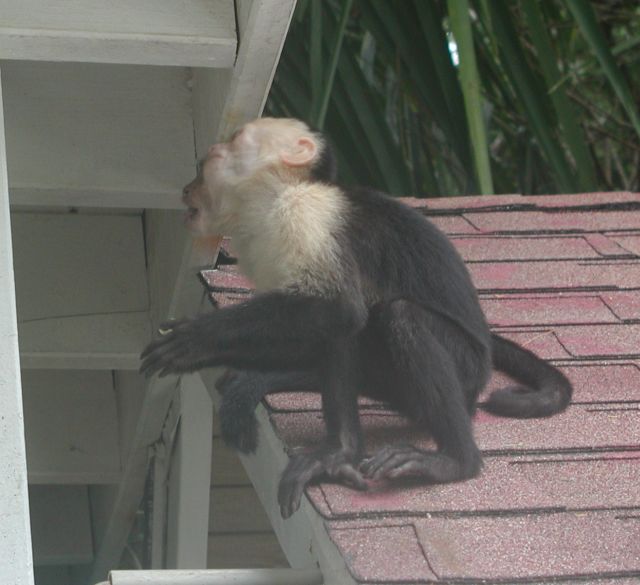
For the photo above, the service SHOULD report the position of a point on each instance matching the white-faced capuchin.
(356, 295)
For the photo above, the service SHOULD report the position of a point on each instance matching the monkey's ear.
(301, 154)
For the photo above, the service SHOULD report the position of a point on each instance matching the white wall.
(16, 566)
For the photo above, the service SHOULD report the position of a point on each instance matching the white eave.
(196, 33)
(114, 136)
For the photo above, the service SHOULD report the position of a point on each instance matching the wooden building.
(106, 108)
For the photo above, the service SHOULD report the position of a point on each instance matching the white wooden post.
(16, 566)
(190, 479)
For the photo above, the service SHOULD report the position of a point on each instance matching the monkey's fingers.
(167, 355)
(166, 330)
(299, 472)
(350, 476)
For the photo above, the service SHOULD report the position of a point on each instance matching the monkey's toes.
(338, 467)
(393, 461)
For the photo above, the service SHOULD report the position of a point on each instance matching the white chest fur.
(290, 239)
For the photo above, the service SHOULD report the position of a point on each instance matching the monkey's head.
(259, 159)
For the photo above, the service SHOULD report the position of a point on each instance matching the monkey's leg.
(242, 392)
(338, 459)
(431, 394)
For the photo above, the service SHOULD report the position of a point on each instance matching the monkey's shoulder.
(391, 220)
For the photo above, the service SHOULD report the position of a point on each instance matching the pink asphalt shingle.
(558, 498)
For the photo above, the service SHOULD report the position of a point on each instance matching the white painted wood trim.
(16, 566)
(100, 198)
(112, 341)
(154, 32)
(126, 497)
(104, 135)
(83, 450)
(263, 28)
(218, 577)
(189, 485)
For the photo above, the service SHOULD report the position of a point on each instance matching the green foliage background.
(543, 96)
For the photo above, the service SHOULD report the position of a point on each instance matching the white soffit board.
(60, 525)
(82, 290)
(198, 33)
(69, 265)
(71, 427)
(98, 135)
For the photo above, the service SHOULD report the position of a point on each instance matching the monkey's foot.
(336, 466)
(395, 461)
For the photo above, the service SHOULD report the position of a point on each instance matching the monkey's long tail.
(544, 389)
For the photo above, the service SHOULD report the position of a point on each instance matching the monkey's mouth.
(191, 214)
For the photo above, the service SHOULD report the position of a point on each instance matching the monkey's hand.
(335, 465)
(183, 346)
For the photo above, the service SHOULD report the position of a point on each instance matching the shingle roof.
(558, 498)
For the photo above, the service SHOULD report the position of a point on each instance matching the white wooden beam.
(71, 424)
(15, 534)
(153, 32)
(83, 297)
(218, 577)
(98, 135)
(114, 507)
(189, 480)
(225, 100)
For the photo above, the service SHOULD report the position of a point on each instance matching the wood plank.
(69, 265)
(111, 341)
(237, 509)
(226, 469)
(60, 525)
(96, 131)
(249, 551)
(80, 281)
(71, 426)
(153, 32)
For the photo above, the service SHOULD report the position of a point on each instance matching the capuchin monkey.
(356, 295)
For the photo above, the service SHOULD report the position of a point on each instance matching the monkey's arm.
(282, 331)
(272, 331)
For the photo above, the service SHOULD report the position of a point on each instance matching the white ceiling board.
(60, 525)
(69, 265)
(108, 131)
(154, 32)
(112, 341)
(71, 427)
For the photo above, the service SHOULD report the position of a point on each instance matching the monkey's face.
(235, 172)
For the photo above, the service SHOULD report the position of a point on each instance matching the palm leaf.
(586, 19)
(470, 81)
